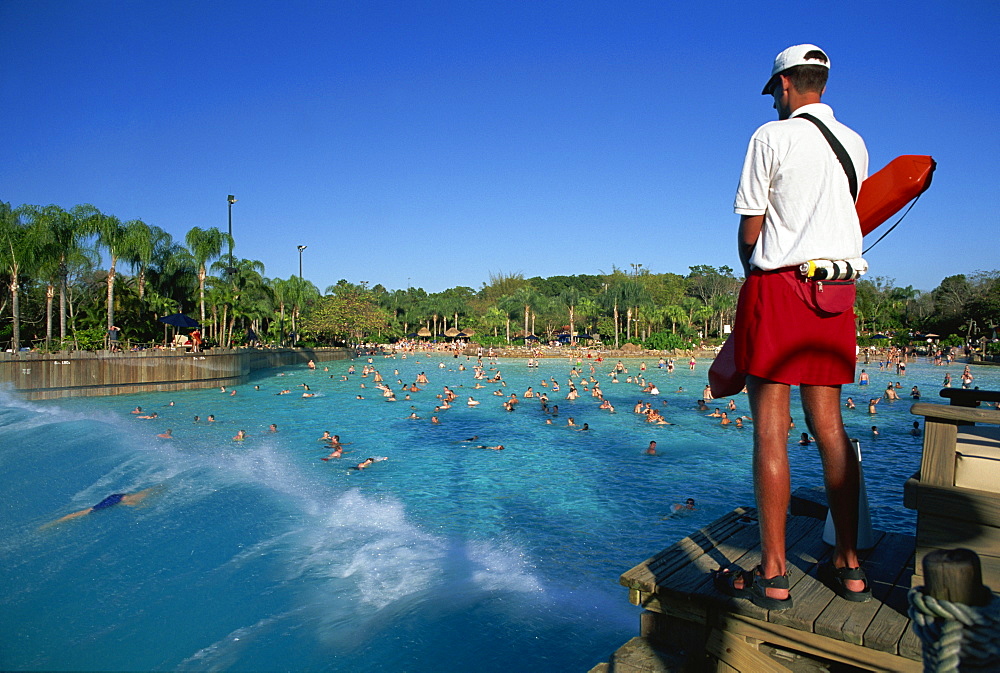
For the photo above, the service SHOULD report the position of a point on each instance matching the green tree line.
(59, 295)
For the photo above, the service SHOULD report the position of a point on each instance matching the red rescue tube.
(885, 193)
(882, 195)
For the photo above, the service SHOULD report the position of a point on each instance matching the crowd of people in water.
(587, 377)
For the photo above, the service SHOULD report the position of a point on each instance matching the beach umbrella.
(179, 320)
(412, 335)
(424, 332)
(451, 332)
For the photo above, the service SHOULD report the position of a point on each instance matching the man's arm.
(750, 226)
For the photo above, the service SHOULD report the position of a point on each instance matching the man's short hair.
(809, 78)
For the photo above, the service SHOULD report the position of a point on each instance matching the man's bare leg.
(840, 471)
(769, 404)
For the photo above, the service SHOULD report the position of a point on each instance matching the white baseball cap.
(790, 58)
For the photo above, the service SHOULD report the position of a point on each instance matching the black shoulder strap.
(838, 149)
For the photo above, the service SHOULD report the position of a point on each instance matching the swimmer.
(367, 462)
(874, 431)
(688, 504)
(434, 420)
(240, 436)
(211, 418)
(137, 410)
(915, 430)
(197, 419)
(337, 453)
(498, 447)
(273, 427)
(651, 450)
(308, 394)
(472, 402)
(413, 416)
(130, 499)
(326, 436)
(805, 439)
(168, 434)
(149, 416)
(850, 403)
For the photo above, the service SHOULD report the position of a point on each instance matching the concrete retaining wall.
(39, 376)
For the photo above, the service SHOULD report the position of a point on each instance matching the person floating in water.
(130, 499)
(688, 504)
(367, 462)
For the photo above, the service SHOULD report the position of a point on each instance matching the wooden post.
(955, 575)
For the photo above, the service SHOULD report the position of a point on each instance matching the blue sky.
(433, 143)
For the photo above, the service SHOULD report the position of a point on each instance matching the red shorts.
(779, 338)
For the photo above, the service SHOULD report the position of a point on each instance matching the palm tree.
(19, 244)
(149, 240)
(571, 297)
(244, 282)
(674, 313)
(205, 245)
(120, 240)
(626, 292)
(527, 297)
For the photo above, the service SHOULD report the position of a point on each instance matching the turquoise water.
(258, 556)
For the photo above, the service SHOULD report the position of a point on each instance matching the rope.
(889, 231)
(956, 636)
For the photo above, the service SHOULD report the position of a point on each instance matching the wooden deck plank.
(798, 529)
(910, 646)
(811, 596)
(891, 621)
(847, 621)
(966, 504)
(739, 654)
(646, 575)
(702, 541)
(870, 635)
(946, 532)
(812, 643)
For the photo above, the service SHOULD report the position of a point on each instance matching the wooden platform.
(684, 609)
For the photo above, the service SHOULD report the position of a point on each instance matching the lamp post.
(230, 200)
(301, 248)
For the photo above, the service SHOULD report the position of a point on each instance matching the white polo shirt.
(792, 177)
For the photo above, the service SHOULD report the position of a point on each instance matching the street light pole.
(301, 248)
(231, 200)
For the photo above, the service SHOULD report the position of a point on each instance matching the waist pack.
(825, 297)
